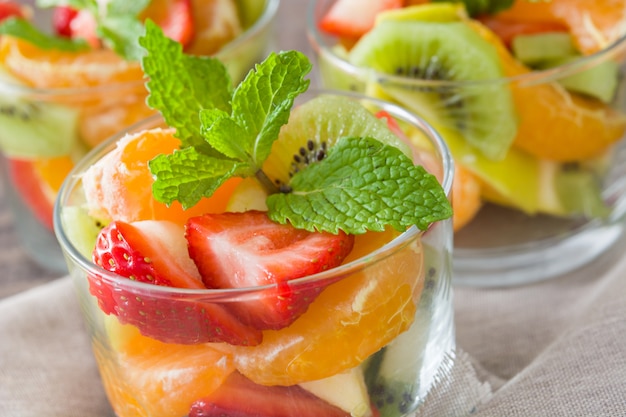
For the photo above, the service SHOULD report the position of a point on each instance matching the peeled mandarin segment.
(165, 379)
(349, 321)
(216, 23)
(52, 172)
(466, 197)
(120, 185)
(594, 24)
(62, 69)
(555, 124)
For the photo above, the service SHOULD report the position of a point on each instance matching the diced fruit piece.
(84, 26)
(34, 130)
(174, 17)
(119, 186)
(164, 379)
(240, 397)
(81, 229)
(238, 250)
(156, 253)
(443, 51)
(319, 344)
(430, 12)
(508, 29)
(536, 48)
(248, 195)
(599, 81)
(62, 17)
(354, 18)
(346, 390)
(567, 121)
(28, 184)
(216, 22)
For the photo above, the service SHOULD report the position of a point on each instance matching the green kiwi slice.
(444, 55)
(315, 126)
(32, 129)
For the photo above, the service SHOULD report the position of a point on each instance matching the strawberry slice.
(32, 191)
(11, 9)
(156, 252)
(62, 17)
(240, 397)
(175, 17)
(354, 18)
(235, 250)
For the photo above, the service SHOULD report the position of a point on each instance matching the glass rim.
(404, 238)
(317, 41)
(7, 87)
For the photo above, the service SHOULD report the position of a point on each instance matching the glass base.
(503, 247)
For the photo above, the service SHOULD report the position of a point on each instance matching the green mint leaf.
(23, 29)
(263, 101)
(181, 85)
(361, 185)
(76, 4)
(121, 34)
(224, 134)
(187, 176)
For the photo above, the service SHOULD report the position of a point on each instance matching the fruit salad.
(263, 250)
(527, 94)
(67, 88)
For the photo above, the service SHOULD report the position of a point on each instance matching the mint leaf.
(181, 85)
(361, 185)
(23, 29)
(188, 175)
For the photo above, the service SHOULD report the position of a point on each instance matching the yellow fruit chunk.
(350, 320)
(62, 69)
(555, 124)
(162, 379)
(594, 24)
(119, 186)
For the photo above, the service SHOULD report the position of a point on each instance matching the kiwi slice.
(315, 126)
(539, 47)
(81, 229)
(33, 129)
(483, 112)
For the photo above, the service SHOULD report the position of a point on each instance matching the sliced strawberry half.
(62, 17)
(11, 9)
(235, 250)
(156, 252)
(354, 18)
(240, 397)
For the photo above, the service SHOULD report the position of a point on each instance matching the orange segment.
(216, 23)
(119, 186)
(466, 197)
(594, 24)
(161, 379)
(60, 69)
(349, 321)
(555, 124)
(51, 172)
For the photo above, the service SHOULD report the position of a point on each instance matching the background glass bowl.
(34, 165)
(353, 323)
(504, 246)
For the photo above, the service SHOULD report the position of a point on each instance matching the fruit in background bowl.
(285, 300)
(513, 84)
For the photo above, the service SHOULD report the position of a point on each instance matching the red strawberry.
(62, 17)
(156, 252)
(10, 9)
(234, 250)
(23, 175)
(175, 17)
(354, 18)
(240, 397)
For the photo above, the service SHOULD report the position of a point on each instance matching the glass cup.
(535, 213)
(382, 328)
(54, 127)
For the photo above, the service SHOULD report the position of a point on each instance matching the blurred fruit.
(119, 186)
(507, 28)
(594, 24)
(466, 197)
(353, 18)
(555, 124)
(175, 17)
(320, 344)
(216, 22)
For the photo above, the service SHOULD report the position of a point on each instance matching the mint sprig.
(23, 29)
(362, 184)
